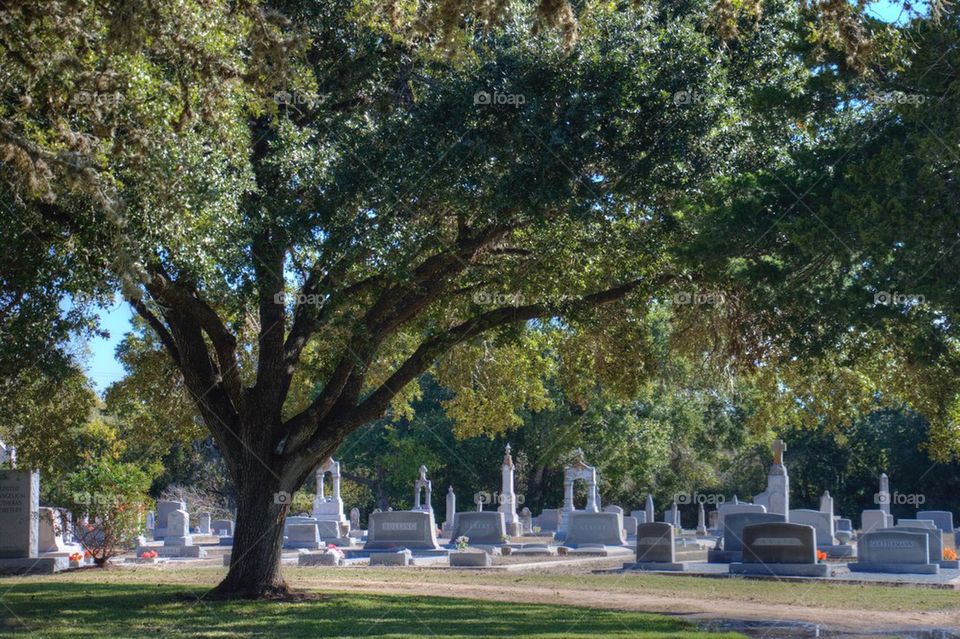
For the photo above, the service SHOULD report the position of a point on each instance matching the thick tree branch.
(158, 327)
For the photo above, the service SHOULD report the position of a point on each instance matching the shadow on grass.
(137, 610)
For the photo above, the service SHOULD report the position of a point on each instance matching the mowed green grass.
(103, 607)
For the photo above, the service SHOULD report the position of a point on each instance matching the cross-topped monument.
(779, 447)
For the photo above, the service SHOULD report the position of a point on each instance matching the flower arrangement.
(821, 555)
(536, 530)
(87, 554)
(462, 542)
(76, 556)
(949, 554)
(148, 554)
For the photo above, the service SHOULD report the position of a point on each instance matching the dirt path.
(848, 620)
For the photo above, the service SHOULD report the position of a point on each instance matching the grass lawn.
(108, 607)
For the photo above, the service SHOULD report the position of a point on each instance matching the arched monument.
(329, 508)
(578, 469)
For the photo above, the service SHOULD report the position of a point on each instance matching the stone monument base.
(33, 565)
(899, 569)
(193, 552)
(724, 556)
(656, 565)
(780, 570)
(838, 550)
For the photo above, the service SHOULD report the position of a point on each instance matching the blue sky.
(102, 367)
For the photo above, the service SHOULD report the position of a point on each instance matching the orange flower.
(76, 557)
(949, 554)
(821, 555)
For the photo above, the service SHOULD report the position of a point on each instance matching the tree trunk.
(258, 538)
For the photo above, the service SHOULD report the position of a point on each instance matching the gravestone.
(549, 520)
(883, 495)
(401, 529)
(780, 548)
(451, 513)
(894, 551)
(178, 529)
(943, 519)
(222, 527)
(821, 521)
(354, 518)
(423, 486)
(871, 520)
(595, 528)
(52, 525)
(203, 526)
(486, 528)
(151, 521)
(618, 511)
(934, 539)
(164, 508)
(776, 498)
(656, 548)
(329, 508)
(672, 516)
(630, 526)
(508, 497)
(305, 535)
(648, 509)
(526, 521)
(331, 532)
(701, 521)
(733, 533)
(734, 507)
(577, 470)
(713, 520)
(640, 516)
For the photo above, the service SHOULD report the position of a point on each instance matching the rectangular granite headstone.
(595, 528)
(894, 551)
(412, 529)
(821, 521)
(655, 543)
(942, 518)
(734, 523)
(19, 513)
(484, 528)
(779, 543)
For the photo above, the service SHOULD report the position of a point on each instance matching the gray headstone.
(821, 521)
(550, 520)
(871, 520)
(934, 538)
(51, 529)
(655, 543)
(893, 547)
(402, 529)
(630, 526)
(223, 527)
(485, 528)
(640, 516)
(178, 529)
(329, 531)
(595, 528)
(779, 543)
(305, 535)
(164, 508)
(942, 518)
(734, 523)
(354, 519)
(732, 508)
(844, 524)
(203, 526)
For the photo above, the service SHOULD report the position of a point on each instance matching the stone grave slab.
(733, 524)
(780, 549)
(656, 548)
(894, 551)
(401, 529)
(594, 528)
(485, 528)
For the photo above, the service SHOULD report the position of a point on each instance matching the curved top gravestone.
(733, 527)
(779, 543)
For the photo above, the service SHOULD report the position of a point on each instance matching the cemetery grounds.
(170, 600)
